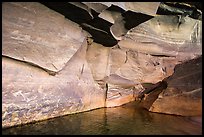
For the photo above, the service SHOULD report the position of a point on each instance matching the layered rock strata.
(53, 66)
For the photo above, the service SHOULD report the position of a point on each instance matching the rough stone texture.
(98, 7)
(31, 94)
(118, 90)
(166, 35)
(121, 72)
(36, 34)
(183, 95)
(124, 120)
(149, 52)
(149, 8)
(38, 42)
(144, 55)
(110, 16)
(150, 94)
(98, 58)
(138, 67)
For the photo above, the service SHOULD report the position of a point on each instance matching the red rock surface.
(36, 34)
(49, 69)
(183, 95)
(30, 94)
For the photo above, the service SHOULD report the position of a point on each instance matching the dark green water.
(123, 120)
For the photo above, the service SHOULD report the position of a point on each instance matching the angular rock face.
(34, 33)
(98, 58)
(149, 8)
(54, 66)
(167, 36)
(29, 93)
(183, 96)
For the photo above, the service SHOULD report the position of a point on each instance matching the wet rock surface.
(63, 58)
(127, 119)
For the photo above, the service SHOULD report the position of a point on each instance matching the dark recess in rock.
(151, 87)
(94, 13)
(100, 29)
(93, 76)
(182, 5)
(132, 19)
(70, 11)
(104, 36)
(198, 5)
(175, 8)
(101, 24)
(100, 36)
(116, 9)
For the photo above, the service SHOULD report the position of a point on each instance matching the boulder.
(183, 95)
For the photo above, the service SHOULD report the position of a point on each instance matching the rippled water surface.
(123, 120)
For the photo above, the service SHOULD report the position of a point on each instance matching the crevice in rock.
(100, 31)
(146, 55)
(50, 72)
(115, 9)
(70, 11)
(97, 27)
(152, 87)
(184, 91)
(161, 55)
(100, 24)
(132, 19)
(100, 36)
(177, 8)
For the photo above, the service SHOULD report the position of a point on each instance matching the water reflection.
(124, 120)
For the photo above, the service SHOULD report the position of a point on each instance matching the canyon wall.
(54, 65)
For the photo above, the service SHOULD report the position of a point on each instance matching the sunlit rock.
(149, 8)
(175, 36)
(34, 33)
(70, 57)
(98, 58)
(30, 94)
(111, 14)
(97, 6)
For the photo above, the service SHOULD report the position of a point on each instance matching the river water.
(128, 119)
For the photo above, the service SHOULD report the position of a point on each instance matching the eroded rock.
(28, 37)
(183, 95)
(149, 8)
(179, 37)
(102, 73)
(30, 94)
